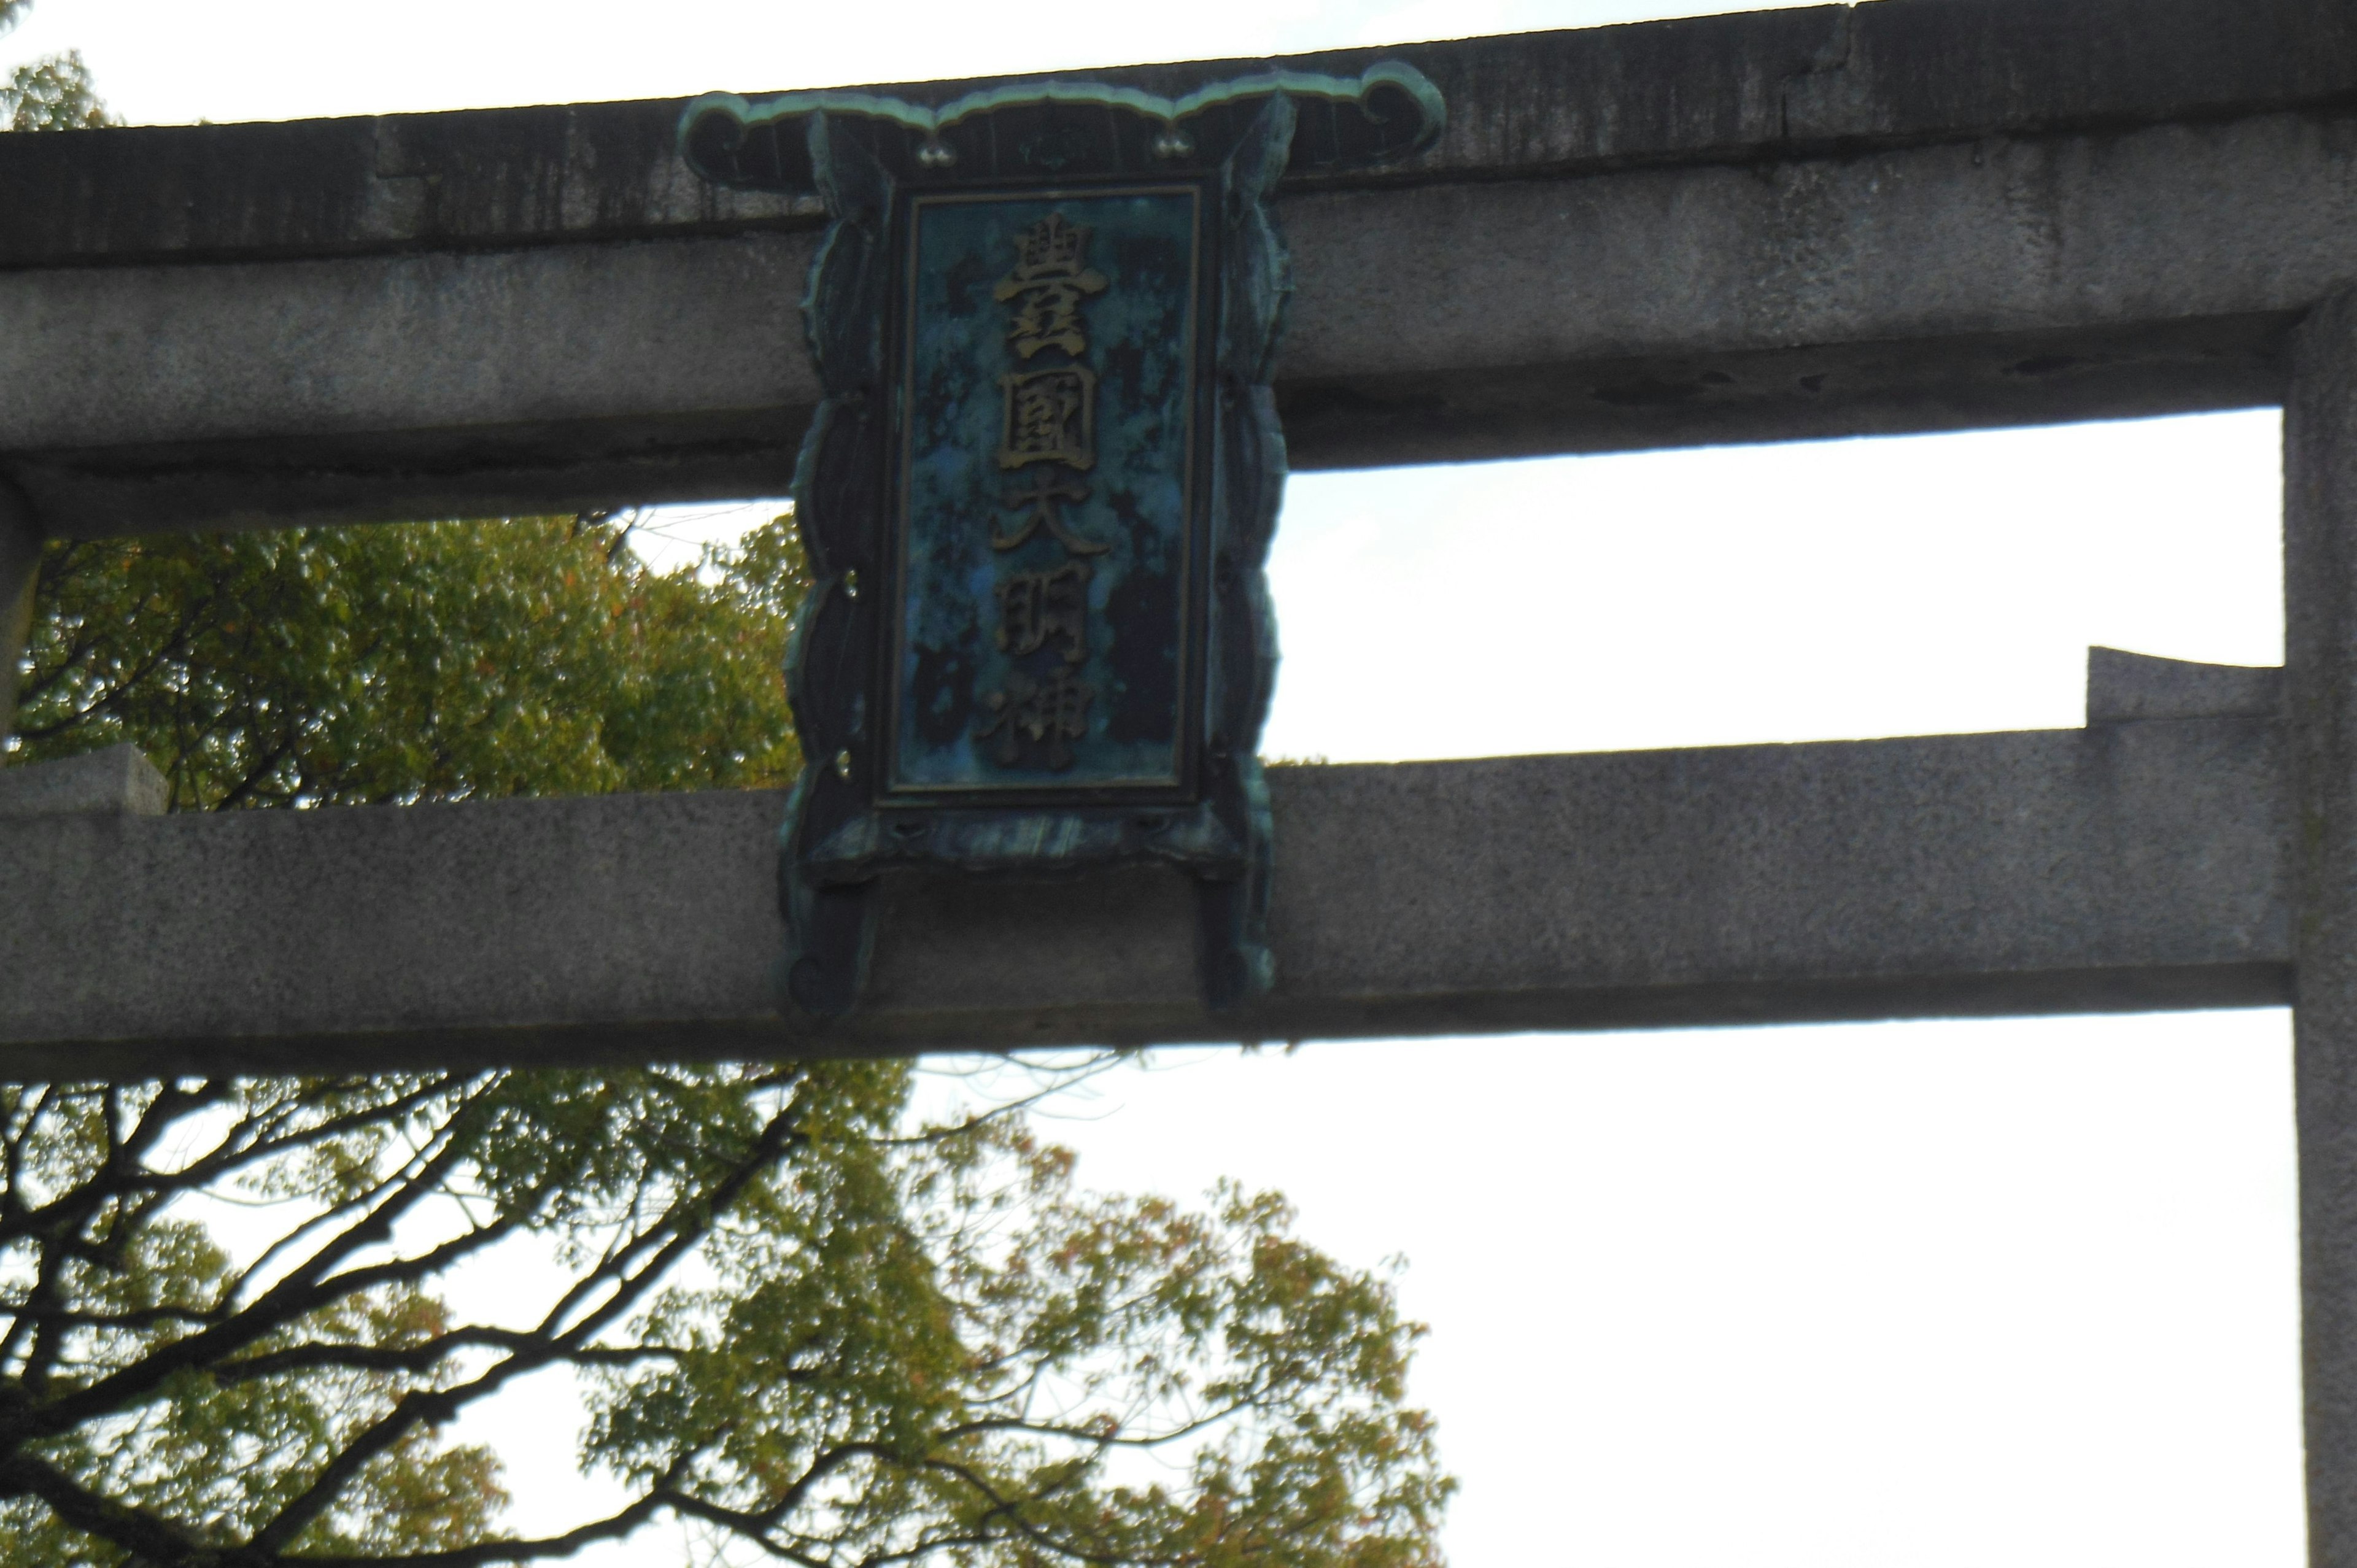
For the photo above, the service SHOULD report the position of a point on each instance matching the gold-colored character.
(1050, 417)
(1050, 280)
(1049, 489)
(1039, 609)
(1048, 713)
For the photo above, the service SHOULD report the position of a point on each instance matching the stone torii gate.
(1911, 215)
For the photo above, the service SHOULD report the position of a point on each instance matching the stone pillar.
(20, 562)
(2321, 681)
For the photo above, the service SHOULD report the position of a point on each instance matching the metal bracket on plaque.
(1038, 493)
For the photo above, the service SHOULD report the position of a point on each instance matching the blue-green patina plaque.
(1050, 510)
(1037, 492)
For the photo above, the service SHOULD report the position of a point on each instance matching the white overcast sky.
(1931, 1293)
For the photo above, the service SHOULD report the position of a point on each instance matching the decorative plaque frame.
(1038, 493)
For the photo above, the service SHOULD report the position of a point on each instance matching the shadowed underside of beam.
(2126, 866)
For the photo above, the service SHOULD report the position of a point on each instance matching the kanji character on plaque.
(1042, 609)
(1048, 492)
(1049, 281)
(1050, 417)
(1048, 713)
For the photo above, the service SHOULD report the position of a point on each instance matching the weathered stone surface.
(1910, 215)
(2126, 688)
(428, 386)
(317, 938)
(2130, 866)
(1740, 87)
(2321, 689)
(116, 781)
(1934, 287)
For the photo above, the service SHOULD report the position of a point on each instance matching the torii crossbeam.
(1905, 216)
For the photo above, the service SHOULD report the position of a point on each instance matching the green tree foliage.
(52, 94)
(806, 1326)
(806, 1323)
(419, 661)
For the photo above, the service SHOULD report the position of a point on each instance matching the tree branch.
(155, 1540)
(423, 1357)
(691, 1215)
